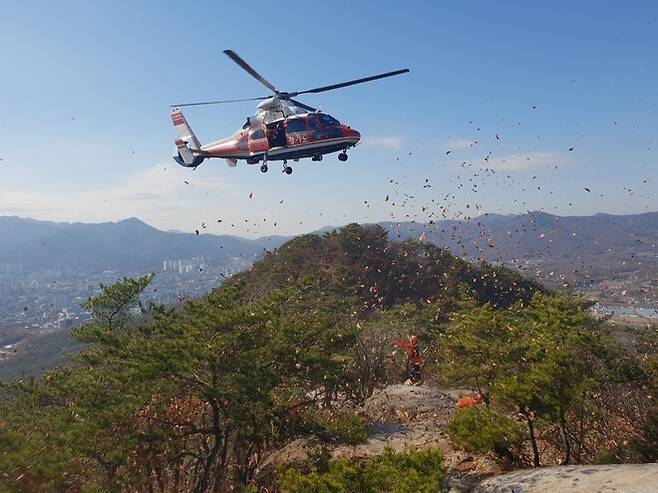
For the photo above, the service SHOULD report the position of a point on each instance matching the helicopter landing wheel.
(263, 168)
(342, 156)
(287, 170)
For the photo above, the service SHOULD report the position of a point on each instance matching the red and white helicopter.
(281, 129)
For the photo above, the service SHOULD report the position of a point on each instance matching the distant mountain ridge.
(581, 248)
(125, 245)
(538, 233)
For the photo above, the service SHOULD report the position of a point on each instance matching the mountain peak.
(135, 224)
(132, 220)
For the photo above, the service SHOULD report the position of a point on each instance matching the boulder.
(617, 478)
(404, 403)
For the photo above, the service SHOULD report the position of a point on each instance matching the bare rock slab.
(613, 478)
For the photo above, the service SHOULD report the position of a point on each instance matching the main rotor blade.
(219, 102)
(302, 105)
(350, 83)
(234, 56)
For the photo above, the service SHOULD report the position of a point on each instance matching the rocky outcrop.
(400, 417)
(408, 417)
(404, 403)
(617, 478)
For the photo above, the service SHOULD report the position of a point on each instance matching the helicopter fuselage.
(293, 137)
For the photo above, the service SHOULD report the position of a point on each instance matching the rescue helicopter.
(282, 128)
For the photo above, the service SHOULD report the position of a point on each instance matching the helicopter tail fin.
(184, 130)
(186, 141)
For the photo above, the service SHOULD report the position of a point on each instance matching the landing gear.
(317, 157)
(342, 156)
(286, 169)
(263, 168)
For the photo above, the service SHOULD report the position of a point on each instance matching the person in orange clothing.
(469, 401)
(414, 360)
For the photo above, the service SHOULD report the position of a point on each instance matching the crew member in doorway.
(276, 135)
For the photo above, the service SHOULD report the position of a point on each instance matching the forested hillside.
(361, 265)
(196, 399)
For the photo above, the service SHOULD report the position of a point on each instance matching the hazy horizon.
(247, 235)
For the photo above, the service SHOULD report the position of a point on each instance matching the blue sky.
(85, 131)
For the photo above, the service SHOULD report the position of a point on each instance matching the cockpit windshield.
(326, 120)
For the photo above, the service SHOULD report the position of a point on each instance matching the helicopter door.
(276, 134)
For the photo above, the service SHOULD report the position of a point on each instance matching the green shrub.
(319, 458)
(411, 472)
(483, 430)
(349, 430)
(606, 456)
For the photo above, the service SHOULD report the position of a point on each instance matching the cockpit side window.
(258, 134)
(296, 125)
(312, 123)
